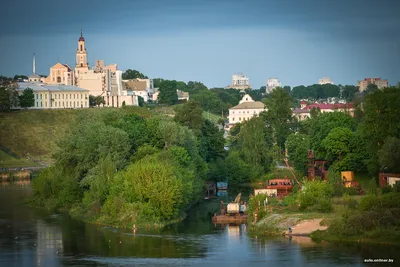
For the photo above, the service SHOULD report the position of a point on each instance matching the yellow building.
(247, 109)
(61, 74)
(56, 96)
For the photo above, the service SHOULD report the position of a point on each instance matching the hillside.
(33, 134)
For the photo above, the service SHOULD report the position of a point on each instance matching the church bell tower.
(81, 56)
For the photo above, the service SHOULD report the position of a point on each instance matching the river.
(31, 237)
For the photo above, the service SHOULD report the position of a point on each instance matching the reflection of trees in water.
(87, 239)
(48, 243)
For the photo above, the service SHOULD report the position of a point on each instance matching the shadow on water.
(30, 237)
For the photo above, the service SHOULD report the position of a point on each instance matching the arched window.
(81, 64)
(58, 79)
(81, 47)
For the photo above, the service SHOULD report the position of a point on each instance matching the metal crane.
(290, 169)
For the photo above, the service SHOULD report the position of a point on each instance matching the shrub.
(368, 202)
(314, 192)
(390, 200)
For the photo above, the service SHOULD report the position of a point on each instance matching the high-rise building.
(272, 83)
(325, 80)
(377, 81)
(239, 81)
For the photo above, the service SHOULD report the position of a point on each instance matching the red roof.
(303, 102)
(330, 106)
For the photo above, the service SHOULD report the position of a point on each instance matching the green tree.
(190, 114)
(99, 100)
(5, 99)
(371, 88)
(337, 143)
(381, 119)
(168, 93)
(389, 155)
(212, 142)
(133, 74)
(297, 146)
(237, 171)
(141, 101)
(349, 92)
(279, 114)
(20, 77)
(254, 142)
(319, 127)
(27, 99)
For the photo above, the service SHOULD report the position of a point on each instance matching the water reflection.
(30, 237)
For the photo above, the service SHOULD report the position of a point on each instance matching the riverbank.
(301, 224)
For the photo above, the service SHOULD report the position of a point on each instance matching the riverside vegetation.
(104, 167)
(118, 168)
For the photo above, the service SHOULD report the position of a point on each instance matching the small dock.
(224, 219)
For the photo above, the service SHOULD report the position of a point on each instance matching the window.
(240, 118)
(41, 96)
(55, 96)
(81, 64)
(55, 104)
(41, 104)
(81, 47)
(58, 79)
(37, 104)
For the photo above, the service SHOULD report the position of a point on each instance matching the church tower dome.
(81, 39)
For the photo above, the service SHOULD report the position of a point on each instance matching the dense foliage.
(8, 98)
(133, 74)
(118, 168)
(27, 98)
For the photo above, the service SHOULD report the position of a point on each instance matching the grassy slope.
(8, 161)
(34, 133)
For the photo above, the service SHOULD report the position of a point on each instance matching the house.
(247, 109)
(303, 112)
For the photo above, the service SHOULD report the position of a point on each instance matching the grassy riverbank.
(370, 218)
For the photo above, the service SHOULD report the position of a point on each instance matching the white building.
(325, 80)
(246, 109)
(56, 96)
(239, 81)
(272, 83)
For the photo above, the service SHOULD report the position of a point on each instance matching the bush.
(315, 192)
(368, 202)
(257, 203)
(390, 200)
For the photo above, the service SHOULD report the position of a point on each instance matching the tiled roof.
(134, 85)
(250, 105)
(330, 106)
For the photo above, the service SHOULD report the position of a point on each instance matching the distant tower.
(34, 64)
(81, 56)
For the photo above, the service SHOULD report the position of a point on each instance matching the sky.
(297, 41)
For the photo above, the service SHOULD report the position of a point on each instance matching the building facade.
(377, 81)
(247, 109)
(325, 80)
(56, 96)
(60, 74)
(303, 112)
(240, 82)
(272, 83)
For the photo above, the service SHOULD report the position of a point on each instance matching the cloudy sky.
(298, 41)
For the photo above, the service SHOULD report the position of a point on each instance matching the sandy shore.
(306, 227)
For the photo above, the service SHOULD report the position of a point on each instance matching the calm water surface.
(30, 237)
